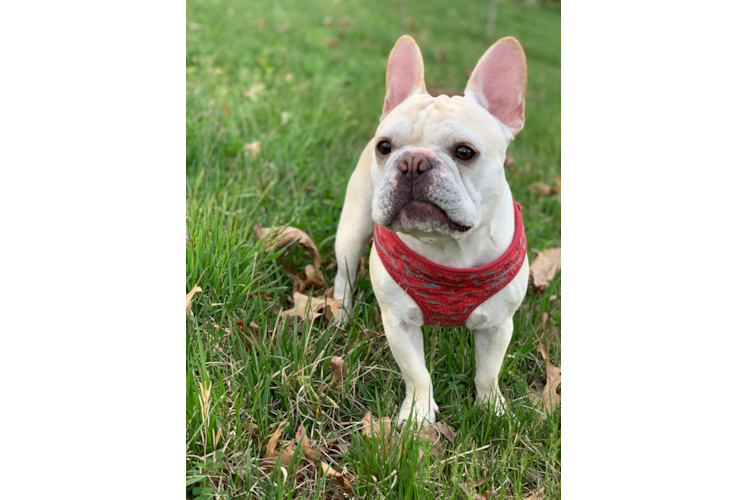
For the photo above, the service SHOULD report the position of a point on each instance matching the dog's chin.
(417, 217)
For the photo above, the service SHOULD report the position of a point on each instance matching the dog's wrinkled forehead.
(427, 120)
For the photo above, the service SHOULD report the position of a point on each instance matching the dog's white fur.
(474, 195)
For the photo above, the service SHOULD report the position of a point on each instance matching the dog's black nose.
(413, 166)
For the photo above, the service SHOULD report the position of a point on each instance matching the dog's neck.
(482, 246)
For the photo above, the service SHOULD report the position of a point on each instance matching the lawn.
(281, 98)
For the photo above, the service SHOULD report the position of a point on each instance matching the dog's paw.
(496, 404)
(420, 414)
(341, 319)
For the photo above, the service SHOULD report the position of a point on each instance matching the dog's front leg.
(490, 347)
(354, 232)
(403, 321)
(406, 344)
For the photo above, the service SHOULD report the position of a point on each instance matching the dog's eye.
(384, 148)
(464, 153)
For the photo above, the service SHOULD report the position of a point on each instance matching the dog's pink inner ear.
(404, 73)
(498, 83)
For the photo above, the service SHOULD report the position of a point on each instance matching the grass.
(305, 78)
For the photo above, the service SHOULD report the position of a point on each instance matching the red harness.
(447, 295)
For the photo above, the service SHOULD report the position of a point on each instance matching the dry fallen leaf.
(313, 455)
(544, 267)
(271, 454)
(433, 433)
(508, 162)
(542, 189)
(557, 187)
(252, 334)
(194, 290)
(373, 429)
(281, 238)
(312, 277)
(331, 42)
(547, 396)
(317, 306)
(287, 453)
(273, 441)
(337, 366)
(535, 494)
(253, 148)
(430, 433)
(446, 430)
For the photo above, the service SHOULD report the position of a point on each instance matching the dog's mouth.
(426, 216)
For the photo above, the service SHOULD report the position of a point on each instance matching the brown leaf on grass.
(343, 480)
(542, 189)
(271, 454)
(226, 110)
(508, 162)
(431, 434)
(252, 148)
(373, 429)
(273, 441)
(547, 397)
(282, 238)
(557, 187)
(337, 366)
(194, 290)
(287, 453)
(446, 430)
(312, 277)
(314, 455)
(535, 494)
(331, 42)
(299, 286)
(252, 334)
(341, 448)
(317, 306)
(333, 308)
(544, 267)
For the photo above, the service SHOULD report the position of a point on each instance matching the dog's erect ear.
(498, 83)
(404, 74)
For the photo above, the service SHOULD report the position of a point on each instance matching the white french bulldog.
(432, 183)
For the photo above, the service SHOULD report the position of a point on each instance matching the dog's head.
(438, 162)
